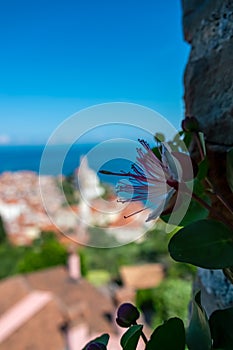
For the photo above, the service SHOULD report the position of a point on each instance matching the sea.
(15, 158)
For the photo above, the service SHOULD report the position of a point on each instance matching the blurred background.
(58, 287)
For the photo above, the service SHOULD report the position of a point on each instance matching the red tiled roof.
(40, 332)
(21, 312)
(12, 290)
(27, 325)
(142, 276)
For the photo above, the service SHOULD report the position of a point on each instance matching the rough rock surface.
(208, 27)
(208, 79)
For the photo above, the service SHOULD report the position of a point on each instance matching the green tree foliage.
(10, 256)
(45, 252)
(169, 299)
(151, 249)
(3, 235)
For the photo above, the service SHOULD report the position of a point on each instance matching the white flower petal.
(155, 213)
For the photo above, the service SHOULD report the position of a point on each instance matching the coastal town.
(54, 300)
(32, 203)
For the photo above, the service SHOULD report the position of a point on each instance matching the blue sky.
(58, 57)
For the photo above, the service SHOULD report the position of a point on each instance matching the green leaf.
(198, 336)
(159, 137)
(195, 210)
(199, 189)
(157, 152)
(230, 168)
(130, 339)
(169, 336)
(204, 243)
(103, 339)
(203, 169)
(188, 213)
(187, 139)
(194, 213)
(221, 322)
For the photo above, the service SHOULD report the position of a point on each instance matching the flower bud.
(190, 124)
(127, 315)
(96, 346)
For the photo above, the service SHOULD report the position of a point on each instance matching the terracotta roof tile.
(77, 302)
(11, 291)
(142, 276)
(16, 316)
(39, 333)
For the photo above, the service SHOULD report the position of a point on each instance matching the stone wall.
(208, 80)
(208, 27)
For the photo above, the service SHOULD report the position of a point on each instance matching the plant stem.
(199, 145)
(144, 337)
(208, 207)
(201, 201)
(220, 198)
